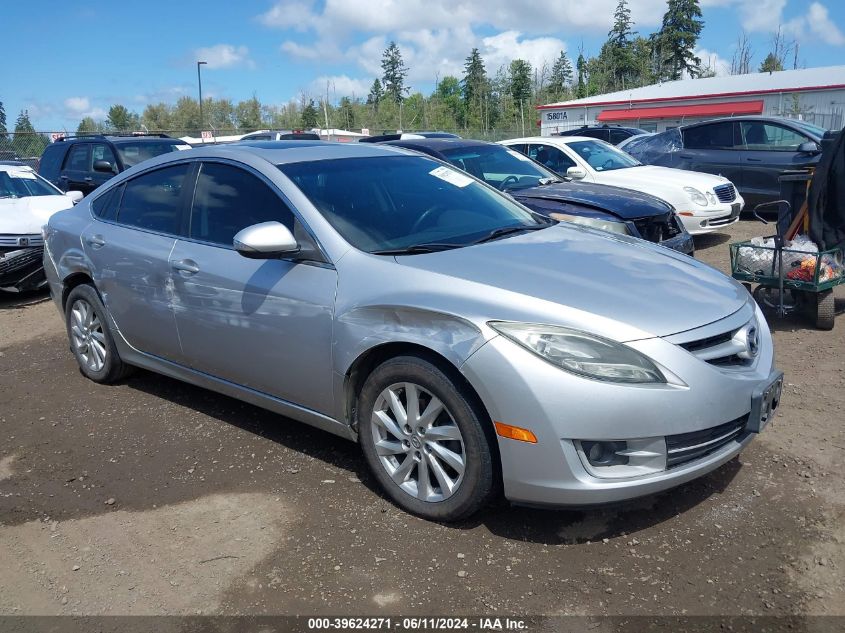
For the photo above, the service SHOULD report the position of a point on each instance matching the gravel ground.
(155, 497)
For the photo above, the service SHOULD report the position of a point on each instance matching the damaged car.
(26, 203)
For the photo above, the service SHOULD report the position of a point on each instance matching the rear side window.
(228, 199)
(105, 205)
(713, 136)
(78, 158)
(153, 201)
(51, 160)
(617, 136)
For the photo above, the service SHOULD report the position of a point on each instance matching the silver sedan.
(469, 345)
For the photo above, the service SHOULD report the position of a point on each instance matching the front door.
(75, 174)
(264, 324)
(712, 148)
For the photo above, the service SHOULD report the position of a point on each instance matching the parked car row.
(471, 345)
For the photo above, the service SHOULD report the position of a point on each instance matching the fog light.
(702, 224)
(605, 453)
(617, 459)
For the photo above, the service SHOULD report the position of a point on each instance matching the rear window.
(105, 206)
(153, 201)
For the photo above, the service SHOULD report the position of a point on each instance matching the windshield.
(23, 183)
(603, 156)
(134, 153)
(396, 202)
(500, 167)
(815, 130)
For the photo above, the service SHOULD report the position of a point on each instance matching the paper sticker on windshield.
(23, 173)
(519, 156)
(184, 147)
(451, 176)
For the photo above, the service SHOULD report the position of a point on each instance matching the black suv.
(83, 163)
(613, 134)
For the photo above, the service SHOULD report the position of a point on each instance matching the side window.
(766, 136)
(78, 157)
(105, 205)
(153, 200)
(101, 151)
(713, 136)
(552, 157)
(51, 160)
(228, 199)
(617, 136)
(519, 147)
(600, 134)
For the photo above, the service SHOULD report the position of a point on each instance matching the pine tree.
(617, 59)
(2, 120)
(621, 33)
(771, 64)
(27, 142)
(309, 116)
(678, 36)
(561, 76)
(346, 113)
(376, 93)
(520, 81)
(121, 119)
(394, 73)
(474, 85)
(88, 126)
(581, 67)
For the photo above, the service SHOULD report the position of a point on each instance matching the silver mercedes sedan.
(470, 346)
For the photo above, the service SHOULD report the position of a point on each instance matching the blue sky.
(65, 59)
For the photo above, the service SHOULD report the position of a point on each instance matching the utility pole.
(199, 83)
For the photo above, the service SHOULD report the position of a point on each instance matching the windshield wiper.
(508, 230)
(414, 249)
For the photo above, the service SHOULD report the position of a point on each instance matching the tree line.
(479, 102)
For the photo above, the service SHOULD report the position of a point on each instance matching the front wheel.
(424, 440)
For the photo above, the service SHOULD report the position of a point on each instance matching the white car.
(704, 202)
(26, 203)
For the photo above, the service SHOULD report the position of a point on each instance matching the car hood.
(623, 203)
(25, 216)
(656, 178)
(589, 275)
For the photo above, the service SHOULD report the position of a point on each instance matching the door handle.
(88, 179)
(185, 267)
(754, 160)
(685, 156)
(96, 241)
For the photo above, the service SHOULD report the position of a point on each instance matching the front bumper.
(710, 219)
(561, 409)
(22, 270)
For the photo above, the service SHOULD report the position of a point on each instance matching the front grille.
(686, 447)
(725, 193)
(721, 350)
(14, 262)
(20, 241)
(658, 228)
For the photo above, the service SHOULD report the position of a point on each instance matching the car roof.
(437, 144)
(553, 139)
(281, 152)
(116, 138)
(748, 117)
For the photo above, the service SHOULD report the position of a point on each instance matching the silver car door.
(130, 257)
(264, 324)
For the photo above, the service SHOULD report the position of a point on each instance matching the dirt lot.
(154, 497)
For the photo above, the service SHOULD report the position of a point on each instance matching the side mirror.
(103, 165)
(576, 173)
(266, 240)
(75, 196)
(810, 147)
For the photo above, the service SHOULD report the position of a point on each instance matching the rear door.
(262, 323)
(130, 255)
(102, 151)
(712, 148)
(767, 150)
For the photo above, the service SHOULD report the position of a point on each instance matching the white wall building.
(816, 95)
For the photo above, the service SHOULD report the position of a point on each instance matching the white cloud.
(500, 49)
(340, 86)
(224, 56)
(820, 24)
(711, 59)
(289, 15)
(77, 105)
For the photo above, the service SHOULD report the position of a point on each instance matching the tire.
(432, 445)
(824, 304)
(90, 338)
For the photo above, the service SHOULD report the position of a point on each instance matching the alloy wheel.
(418, 442)
(89, 340)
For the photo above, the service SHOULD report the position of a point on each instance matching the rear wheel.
(90, 339)
(823, 302)
(424, 440)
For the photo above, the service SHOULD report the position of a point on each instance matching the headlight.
(594, 223)
(581, 353)
(696, 196)
(711, 197)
